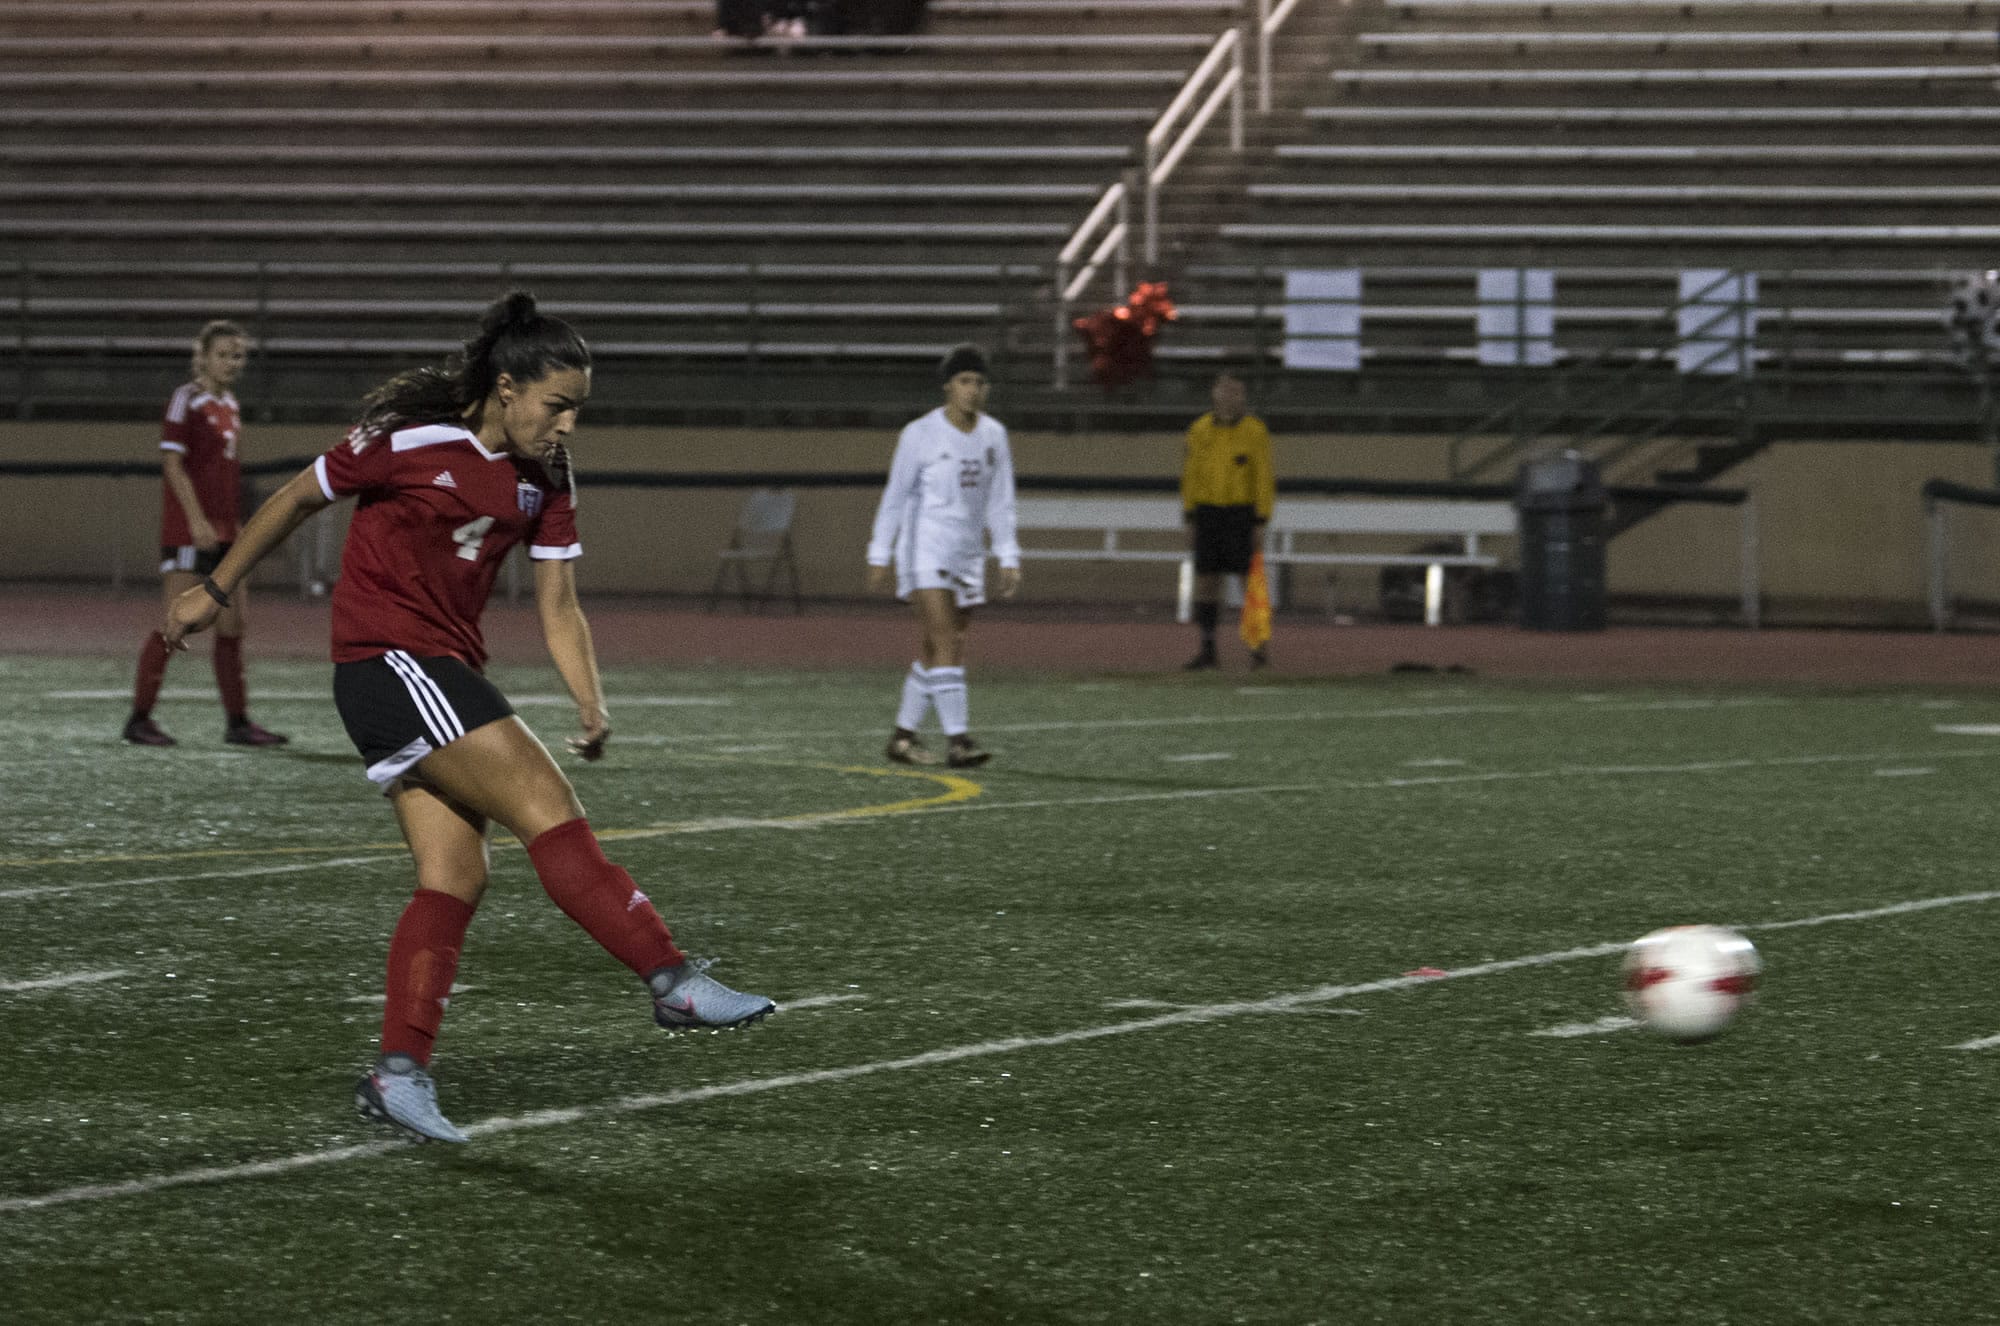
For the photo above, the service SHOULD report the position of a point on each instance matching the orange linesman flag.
(1256, 625)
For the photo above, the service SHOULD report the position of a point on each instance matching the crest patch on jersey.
(529, 498)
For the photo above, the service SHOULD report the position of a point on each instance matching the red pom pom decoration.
(1120, 338)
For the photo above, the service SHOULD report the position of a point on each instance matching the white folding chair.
(763, 534)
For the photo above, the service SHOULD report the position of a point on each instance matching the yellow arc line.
(955, 787)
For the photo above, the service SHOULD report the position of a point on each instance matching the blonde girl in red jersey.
(202, 474)
(452, 467)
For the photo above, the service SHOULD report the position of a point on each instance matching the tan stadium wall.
(1840, 523)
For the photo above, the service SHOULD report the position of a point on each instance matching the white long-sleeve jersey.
(947, 491)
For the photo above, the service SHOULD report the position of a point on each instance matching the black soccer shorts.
(1224, 539)
(399, 708)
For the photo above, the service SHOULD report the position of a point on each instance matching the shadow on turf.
(346, 758)
(721, 1223)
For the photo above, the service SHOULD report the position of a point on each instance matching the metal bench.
(1113, 518)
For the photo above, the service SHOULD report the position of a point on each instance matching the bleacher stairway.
(1842, 150)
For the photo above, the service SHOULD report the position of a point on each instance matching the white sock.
(948, 694)
(916, 698)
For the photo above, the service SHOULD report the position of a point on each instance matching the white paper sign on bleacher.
(1517, 315)
(1718, 320)
(1323, 318)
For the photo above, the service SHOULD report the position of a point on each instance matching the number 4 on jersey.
(470, 535)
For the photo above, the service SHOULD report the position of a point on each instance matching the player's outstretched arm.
(283, 512)
(567, 633)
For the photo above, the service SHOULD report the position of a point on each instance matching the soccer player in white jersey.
(950, 487)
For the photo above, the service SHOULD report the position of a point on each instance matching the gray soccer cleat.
(697, 1001)
(406, 1100)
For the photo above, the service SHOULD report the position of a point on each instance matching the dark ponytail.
(513, 339)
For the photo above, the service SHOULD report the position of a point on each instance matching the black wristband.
(214, 590)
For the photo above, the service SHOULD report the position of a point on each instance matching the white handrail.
(1161, 155)
(1116, 242)
(1112, 197)
(1269, 20)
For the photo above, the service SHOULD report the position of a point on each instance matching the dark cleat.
(907, 750)
(248, 733)
(145, 732)
(964, 754)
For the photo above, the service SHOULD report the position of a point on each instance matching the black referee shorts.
(399, 708)
(1224, 539)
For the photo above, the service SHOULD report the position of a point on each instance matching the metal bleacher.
(1843, 150)
(793, 229)
(796, 223)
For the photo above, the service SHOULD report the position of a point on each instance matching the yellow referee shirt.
(1228, 465)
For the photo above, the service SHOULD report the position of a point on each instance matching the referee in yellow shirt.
(1226, 492)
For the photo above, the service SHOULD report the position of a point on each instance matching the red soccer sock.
(153, 658)
(602, 898)
(229, 676)
(423, 958)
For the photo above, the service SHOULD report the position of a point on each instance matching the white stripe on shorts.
(384, 772)
(435, 710)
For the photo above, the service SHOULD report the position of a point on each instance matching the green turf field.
(1117, 1030)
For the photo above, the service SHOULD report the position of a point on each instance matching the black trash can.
(1564, 512)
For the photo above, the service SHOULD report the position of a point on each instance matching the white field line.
(633, 701)
(1208, 720)
(1983, 1043)
(1286, 1003)
(58, 982)
(1126, 1005)
(732, 823)
(1185, 794)
(818, 1001)
(229, 872)
(786, 1005)
(183, 693)
(380, 999)
(1917, 772)
(1968, 729)
(1199, 757)
(1446, 780)
(196, 693)
(1602, 1027)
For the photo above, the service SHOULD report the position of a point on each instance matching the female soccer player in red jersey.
(197, 521)
(452, 468)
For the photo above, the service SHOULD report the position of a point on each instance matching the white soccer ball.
(1688, 982)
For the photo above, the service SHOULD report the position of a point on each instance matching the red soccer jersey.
(437, 516)
(202, 427)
